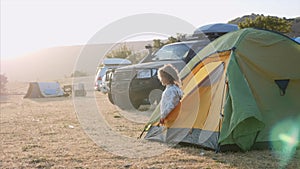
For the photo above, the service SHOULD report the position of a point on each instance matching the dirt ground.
(51, 133)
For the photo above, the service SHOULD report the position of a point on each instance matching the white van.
(108, 63)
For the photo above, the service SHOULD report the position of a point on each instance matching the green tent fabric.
(242, 117)
(262, 87)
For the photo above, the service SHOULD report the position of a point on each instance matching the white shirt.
(169, 99)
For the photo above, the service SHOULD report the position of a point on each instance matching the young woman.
(168, 76)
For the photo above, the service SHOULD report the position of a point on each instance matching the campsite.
(240, 109)
(46, 133)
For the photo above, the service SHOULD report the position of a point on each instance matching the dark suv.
(135, 85)
(132, 86)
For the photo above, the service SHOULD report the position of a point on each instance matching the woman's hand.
(162, 121)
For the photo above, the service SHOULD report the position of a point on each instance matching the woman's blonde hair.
(170, 73)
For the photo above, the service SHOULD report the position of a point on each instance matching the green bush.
(267, 22)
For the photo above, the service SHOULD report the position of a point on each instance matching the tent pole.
(141, 134)
(225, 88)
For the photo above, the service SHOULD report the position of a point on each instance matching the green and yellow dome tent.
(236, 91)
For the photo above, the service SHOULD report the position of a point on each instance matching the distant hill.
(295, 23)
(59, 62)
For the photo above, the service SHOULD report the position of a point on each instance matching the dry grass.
(45, 133)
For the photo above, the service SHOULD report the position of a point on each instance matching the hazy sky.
(30, 25)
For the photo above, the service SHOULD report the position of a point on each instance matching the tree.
(157, 43)
(121, 52)
(126, 53)
(137, 56)
(78, 73)
(171, 39)
(3, 82)
(181, 36)
(267, 22)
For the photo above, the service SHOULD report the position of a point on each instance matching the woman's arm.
(169, 101)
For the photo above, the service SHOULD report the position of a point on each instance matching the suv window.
(171, 52)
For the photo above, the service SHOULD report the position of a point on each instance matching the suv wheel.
(155, 96)
(136, 104)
